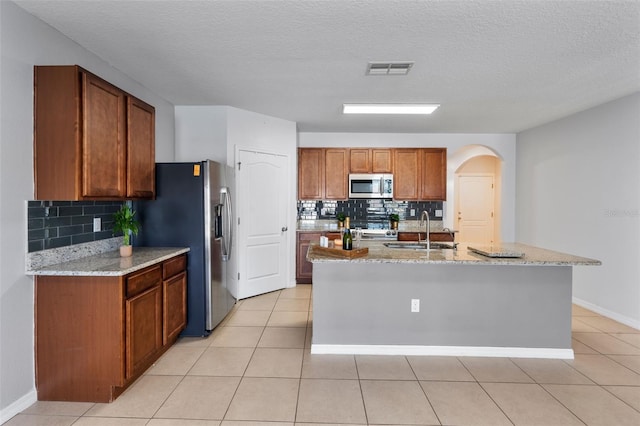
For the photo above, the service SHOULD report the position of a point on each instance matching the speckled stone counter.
(469, 304)
(109, 263)
(378, 253)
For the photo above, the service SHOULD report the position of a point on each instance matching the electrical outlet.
(415, 305)
(97, 224)
(412, 212)
(438, 213)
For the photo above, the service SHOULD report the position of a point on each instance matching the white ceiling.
(494, 66)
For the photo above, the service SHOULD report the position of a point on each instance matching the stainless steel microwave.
(370, 185)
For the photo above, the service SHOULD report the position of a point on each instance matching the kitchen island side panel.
(516, 306)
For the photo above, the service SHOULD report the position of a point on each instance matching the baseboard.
(607, 313)
(18, 406)
(442, 351)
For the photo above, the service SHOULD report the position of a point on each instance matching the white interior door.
(262, 222)
(475, 201)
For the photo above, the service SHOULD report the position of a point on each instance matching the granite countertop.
(378, 253)
(110, 263)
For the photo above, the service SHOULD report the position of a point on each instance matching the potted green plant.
(341, 217)
(394, 218)
(124, 221)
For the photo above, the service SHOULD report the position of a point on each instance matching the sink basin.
(420, 246)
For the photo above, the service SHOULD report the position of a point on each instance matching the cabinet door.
(174, 307)
(103, 143)
(336, 174)
(141, 159)
(304, 268)
(143, 329)
(310, 173)
(381, 161)
(434, 174)
(406, 174)
(359, 160)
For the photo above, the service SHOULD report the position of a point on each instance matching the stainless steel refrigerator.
(193, 209)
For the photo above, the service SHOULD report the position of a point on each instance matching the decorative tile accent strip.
(53, 224)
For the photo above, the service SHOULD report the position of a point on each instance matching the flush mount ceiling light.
(389, 68)
(389, 108)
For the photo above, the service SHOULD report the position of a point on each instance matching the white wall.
(24, 42)
(217, 132)
(578, 191)
(458, 147)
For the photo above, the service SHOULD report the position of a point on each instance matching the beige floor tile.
(594, 405)
(307, 340)
(109, 421)
(384, 367)
(581, 327)
(197, 397)
(236, 337)
(608, 325)
(292, 305)
(142, 399)
(176, 361)
(249, 319)
(180, 422)
(330, 401)
(439, 368)
(580, 311)
(300, 291)
(258, 304)
(553, 371)
(36, 420)
(463, 403)
(270, 362)
(245, 423)
(222, 362)
(329, 367)
(288, 319)
(628, 394)
(604, 371)
(264, 399)
(194, 341)
(632, 339)
(58, 408)
(581, 348)
(283, 337)
(529, 404)
(632, 362)
(495, 370)
(396, 402)
(606, 344)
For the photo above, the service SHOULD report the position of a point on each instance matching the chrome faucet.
(424, 215)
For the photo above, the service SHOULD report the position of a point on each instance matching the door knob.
(285, 229)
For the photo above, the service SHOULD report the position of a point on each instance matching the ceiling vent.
(388, 68)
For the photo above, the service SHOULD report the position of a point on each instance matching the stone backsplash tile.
(54, 224)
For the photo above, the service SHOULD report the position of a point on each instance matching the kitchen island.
(469, 304)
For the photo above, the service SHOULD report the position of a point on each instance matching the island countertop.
(378, 253)
(110, 263)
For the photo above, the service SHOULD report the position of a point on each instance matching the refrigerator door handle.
(227, 231)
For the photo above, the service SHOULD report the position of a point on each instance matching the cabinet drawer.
(309, 236)
(142, 280)
(174, 266)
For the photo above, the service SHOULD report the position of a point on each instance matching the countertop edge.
(110, 263)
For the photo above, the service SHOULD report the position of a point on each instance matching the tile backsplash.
(53, 224)
(366, 210)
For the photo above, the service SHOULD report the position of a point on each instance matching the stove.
(380, 234)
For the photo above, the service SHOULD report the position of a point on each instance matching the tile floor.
(256, 367)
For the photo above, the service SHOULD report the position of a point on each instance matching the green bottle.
(347, 240)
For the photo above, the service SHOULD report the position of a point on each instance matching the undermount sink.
(421, 246)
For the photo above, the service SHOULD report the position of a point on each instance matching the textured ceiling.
(494, 66)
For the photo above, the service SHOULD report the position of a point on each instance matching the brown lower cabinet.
(304, 268)
(95, 335)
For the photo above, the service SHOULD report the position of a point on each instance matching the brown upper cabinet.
(92, 140)
(370, 160)
(420, 174)
(322, 173)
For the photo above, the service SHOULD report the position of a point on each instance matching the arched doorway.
(477, 188)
